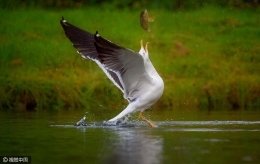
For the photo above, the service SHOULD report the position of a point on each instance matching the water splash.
(81, 122)
(118, 123)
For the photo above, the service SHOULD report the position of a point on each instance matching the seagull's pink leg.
(144, 119)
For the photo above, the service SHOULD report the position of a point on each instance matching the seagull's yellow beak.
(146, 47)
(142, 44)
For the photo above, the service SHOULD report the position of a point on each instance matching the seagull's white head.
(144, 52)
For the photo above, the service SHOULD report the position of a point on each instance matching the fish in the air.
(145, 19)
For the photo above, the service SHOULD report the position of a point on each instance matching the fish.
(145, 19)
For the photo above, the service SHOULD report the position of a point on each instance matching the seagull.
(132, 72)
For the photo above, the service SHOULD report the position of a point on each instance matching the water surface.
(181, 137)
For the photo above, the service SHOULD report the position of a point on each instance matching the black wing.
(83, 41)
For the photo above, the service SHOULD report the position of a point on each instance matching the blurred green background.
(207, 52)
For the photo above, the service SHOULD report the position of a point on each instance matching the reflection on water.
(128, 145)
(190, 140)
(133, 146)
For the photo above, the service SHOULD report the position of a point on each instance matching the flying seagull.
(132, 72)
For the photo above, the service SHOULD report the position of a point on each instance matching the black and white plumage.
(130, 71)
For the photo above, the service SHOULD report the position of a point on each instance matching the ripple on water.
(184, 126)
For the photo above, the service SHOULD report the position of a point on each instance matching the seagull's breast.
(152, 94)
(157, 88)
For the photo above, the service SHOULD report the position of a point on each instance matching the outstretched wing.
(83, 41)
(124, 67)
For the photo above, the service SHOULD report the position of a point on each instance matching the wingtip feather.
(97, 34)
(63, 20)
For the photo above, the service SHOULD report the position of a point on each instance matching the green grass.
(209, 58)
